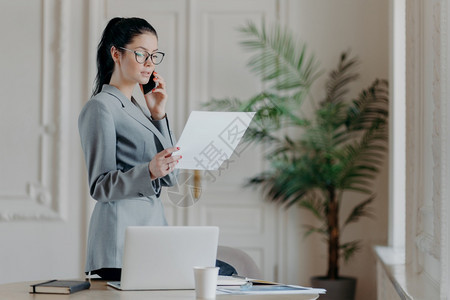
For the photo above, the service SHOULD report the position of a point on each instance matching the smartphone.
(150, 85)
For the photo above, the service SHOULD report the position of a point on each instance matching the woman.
(128, 150)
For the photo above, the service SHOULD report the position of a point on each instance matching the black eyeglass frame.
(137, 53)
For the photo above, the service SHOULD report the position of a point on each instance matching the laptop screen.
(163, 257)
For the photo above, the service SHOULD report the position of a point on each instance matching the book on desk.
(59, 287)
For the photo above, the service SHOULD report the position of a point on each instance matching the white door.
(41, 233)
(203, 61)
(218, 70)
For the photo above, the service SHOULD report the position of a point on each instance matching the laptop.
(163, 257)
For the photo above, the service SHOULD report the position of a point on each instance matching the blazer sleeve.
(164, 127)
(98, 140)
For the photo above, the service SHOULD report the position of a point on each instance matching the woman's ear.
(115, 54)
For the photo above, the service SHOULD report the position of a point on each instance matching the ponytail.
(118, 32)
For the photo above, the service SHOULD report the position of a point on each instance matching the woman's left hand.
(157, 99)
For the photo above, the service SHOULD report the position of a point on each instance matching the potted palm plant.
(315, 156)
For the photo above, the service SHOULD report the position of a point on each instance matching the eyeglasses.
(142, 56)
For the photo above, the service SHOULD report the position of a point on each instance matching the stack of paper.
(230, 280)
(270, 289)
(243, 285)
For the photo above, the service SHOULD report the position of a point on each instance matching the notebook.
(163, 257)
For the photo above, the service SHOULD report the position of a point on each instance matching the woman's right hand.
(163, 163)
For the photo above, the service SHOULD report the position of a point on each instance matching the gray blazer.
(119, 139)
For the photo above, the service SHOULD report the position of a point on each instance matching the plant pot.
(337, 289)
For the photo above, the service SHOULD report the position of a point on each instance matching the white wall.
(55, 248)
(329, 28)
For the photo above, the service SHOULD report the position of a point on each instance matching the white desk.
(100, 291)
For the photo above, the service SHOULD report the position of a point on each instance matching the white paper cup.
(205, 282)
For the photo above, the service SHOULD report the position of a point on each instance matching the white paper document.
(209, 138)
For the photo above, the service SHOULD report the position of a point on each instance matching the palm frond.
(226, 104)
(277, 59)
(361, 158)
(284, 106)
(259, 135)
(339, 79)
(311, 229)
(370, 109)
(314, 204)
(359, 211)
(349, 249)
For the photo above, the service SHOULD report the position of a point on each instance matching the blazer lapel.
(136, 113)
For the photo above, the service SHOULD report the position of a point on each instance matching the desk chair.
(241, 261)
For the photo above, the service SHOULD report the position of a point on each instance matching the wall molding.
(46, 198)
(445, 146)
(437, 135)
(427, 192)
(427, 244)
